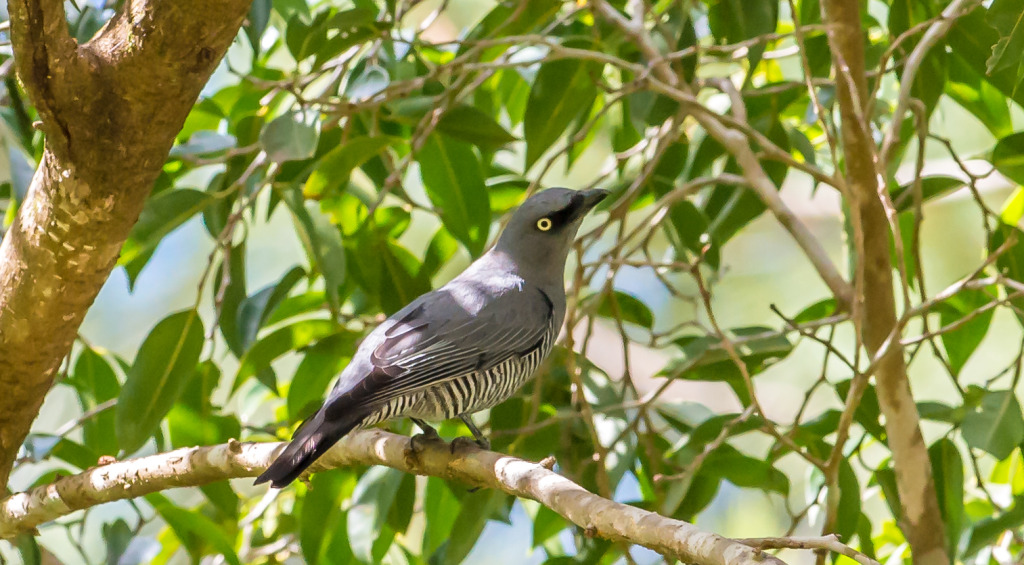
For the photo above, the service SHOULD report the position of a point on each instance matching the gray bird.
(462, 348)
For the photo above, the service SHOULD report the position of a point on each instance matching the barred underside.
(470, 392)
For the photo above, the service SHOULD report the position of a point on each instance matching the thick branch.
(202, 465)
(45, 55)
(110, 110)
(876, 308)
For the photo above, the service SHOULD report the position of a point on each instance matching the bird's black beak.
(591, 198)
(581, 203)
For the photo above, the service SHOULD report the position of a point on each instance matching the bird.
(462, 348)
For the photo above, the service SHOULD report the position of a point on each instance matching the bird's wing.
(434, 341)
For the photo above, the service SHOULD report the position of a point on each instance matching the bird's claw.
(418, 443)
(463, 444)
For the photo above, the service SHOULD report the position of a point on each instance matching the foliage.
(394, 138)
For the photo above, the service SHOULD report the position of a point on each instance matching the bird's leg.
(426, 428)
(481, 440)
(418, 441)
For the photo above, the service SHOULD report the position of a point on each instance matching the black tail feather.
(311, 440)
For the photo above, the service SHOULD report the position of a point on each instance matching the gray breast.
(469, 392)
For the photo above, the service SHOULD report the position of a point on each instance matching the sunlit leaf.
(287, 138)
(995, 425)
(470, 124)
(165, 361)
(333, 170)
(454, 181)
(289, 338)
(194, 529)
(162, 214)
(948, 472)
(561, 92)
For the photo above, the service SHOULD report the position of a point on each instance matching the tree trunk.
(110, 110)
(875, 308)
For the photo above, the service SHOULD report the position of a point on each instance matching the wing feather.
(436, 339)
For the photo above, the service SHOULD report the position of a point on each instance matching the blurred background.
(761, 267)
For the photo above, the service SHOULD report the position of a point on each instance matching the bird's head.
(541, 231)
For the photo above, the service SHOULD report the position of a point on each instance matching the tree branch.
(827, 543)
(935, 32)
(875, 311)
(110, 110)
(45, 55)
(197, 466)
(736, 144)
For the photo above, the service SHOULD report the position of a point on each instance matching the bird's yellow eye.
(544, 224)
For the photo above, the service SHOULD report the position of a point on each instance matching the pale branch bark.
(736, 143)
(110, 110)
(935, 32)
(198, 466)
(875, 310)
(828, 543)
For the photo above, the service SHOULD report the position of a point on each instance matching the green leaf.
(562, 91)
(1007, 16)
(467, 123)
(454, 182)
(117, 536)
(948, 471)
(704, 359)
(476, 510)
(931, 187)
(223, 498)
(744, 471)
(1008, 156)
(193, 529)
(96, 383)
(323, 526)
(1011, 262)
(848, 512)
(289, 338)
(886, 479)
(333, 170)
(365, 84)
(190, 428)
(286, 138)
(1013, 208)
(986, 532)
(732, 21)
(961, 342)
(978, 96)
(319, 365)
(868, 412)
(254, 310)
(371, 502)
(256, 23)
(322, 242)
(204, 143)
(231, 296)
(162, 214)
(402, 509)
(547, 524)
(163, 365)
(440, 510)
(691, 234)
(996, 425)
(442, 248)
(626, 307)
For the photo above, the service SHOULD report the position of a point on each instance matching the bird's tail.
(311, 440)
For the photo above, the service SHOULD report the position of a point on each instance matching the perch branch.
(197, 466)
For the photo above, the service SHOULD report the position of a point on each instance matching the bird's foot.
(419, 442)
(464, 444)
